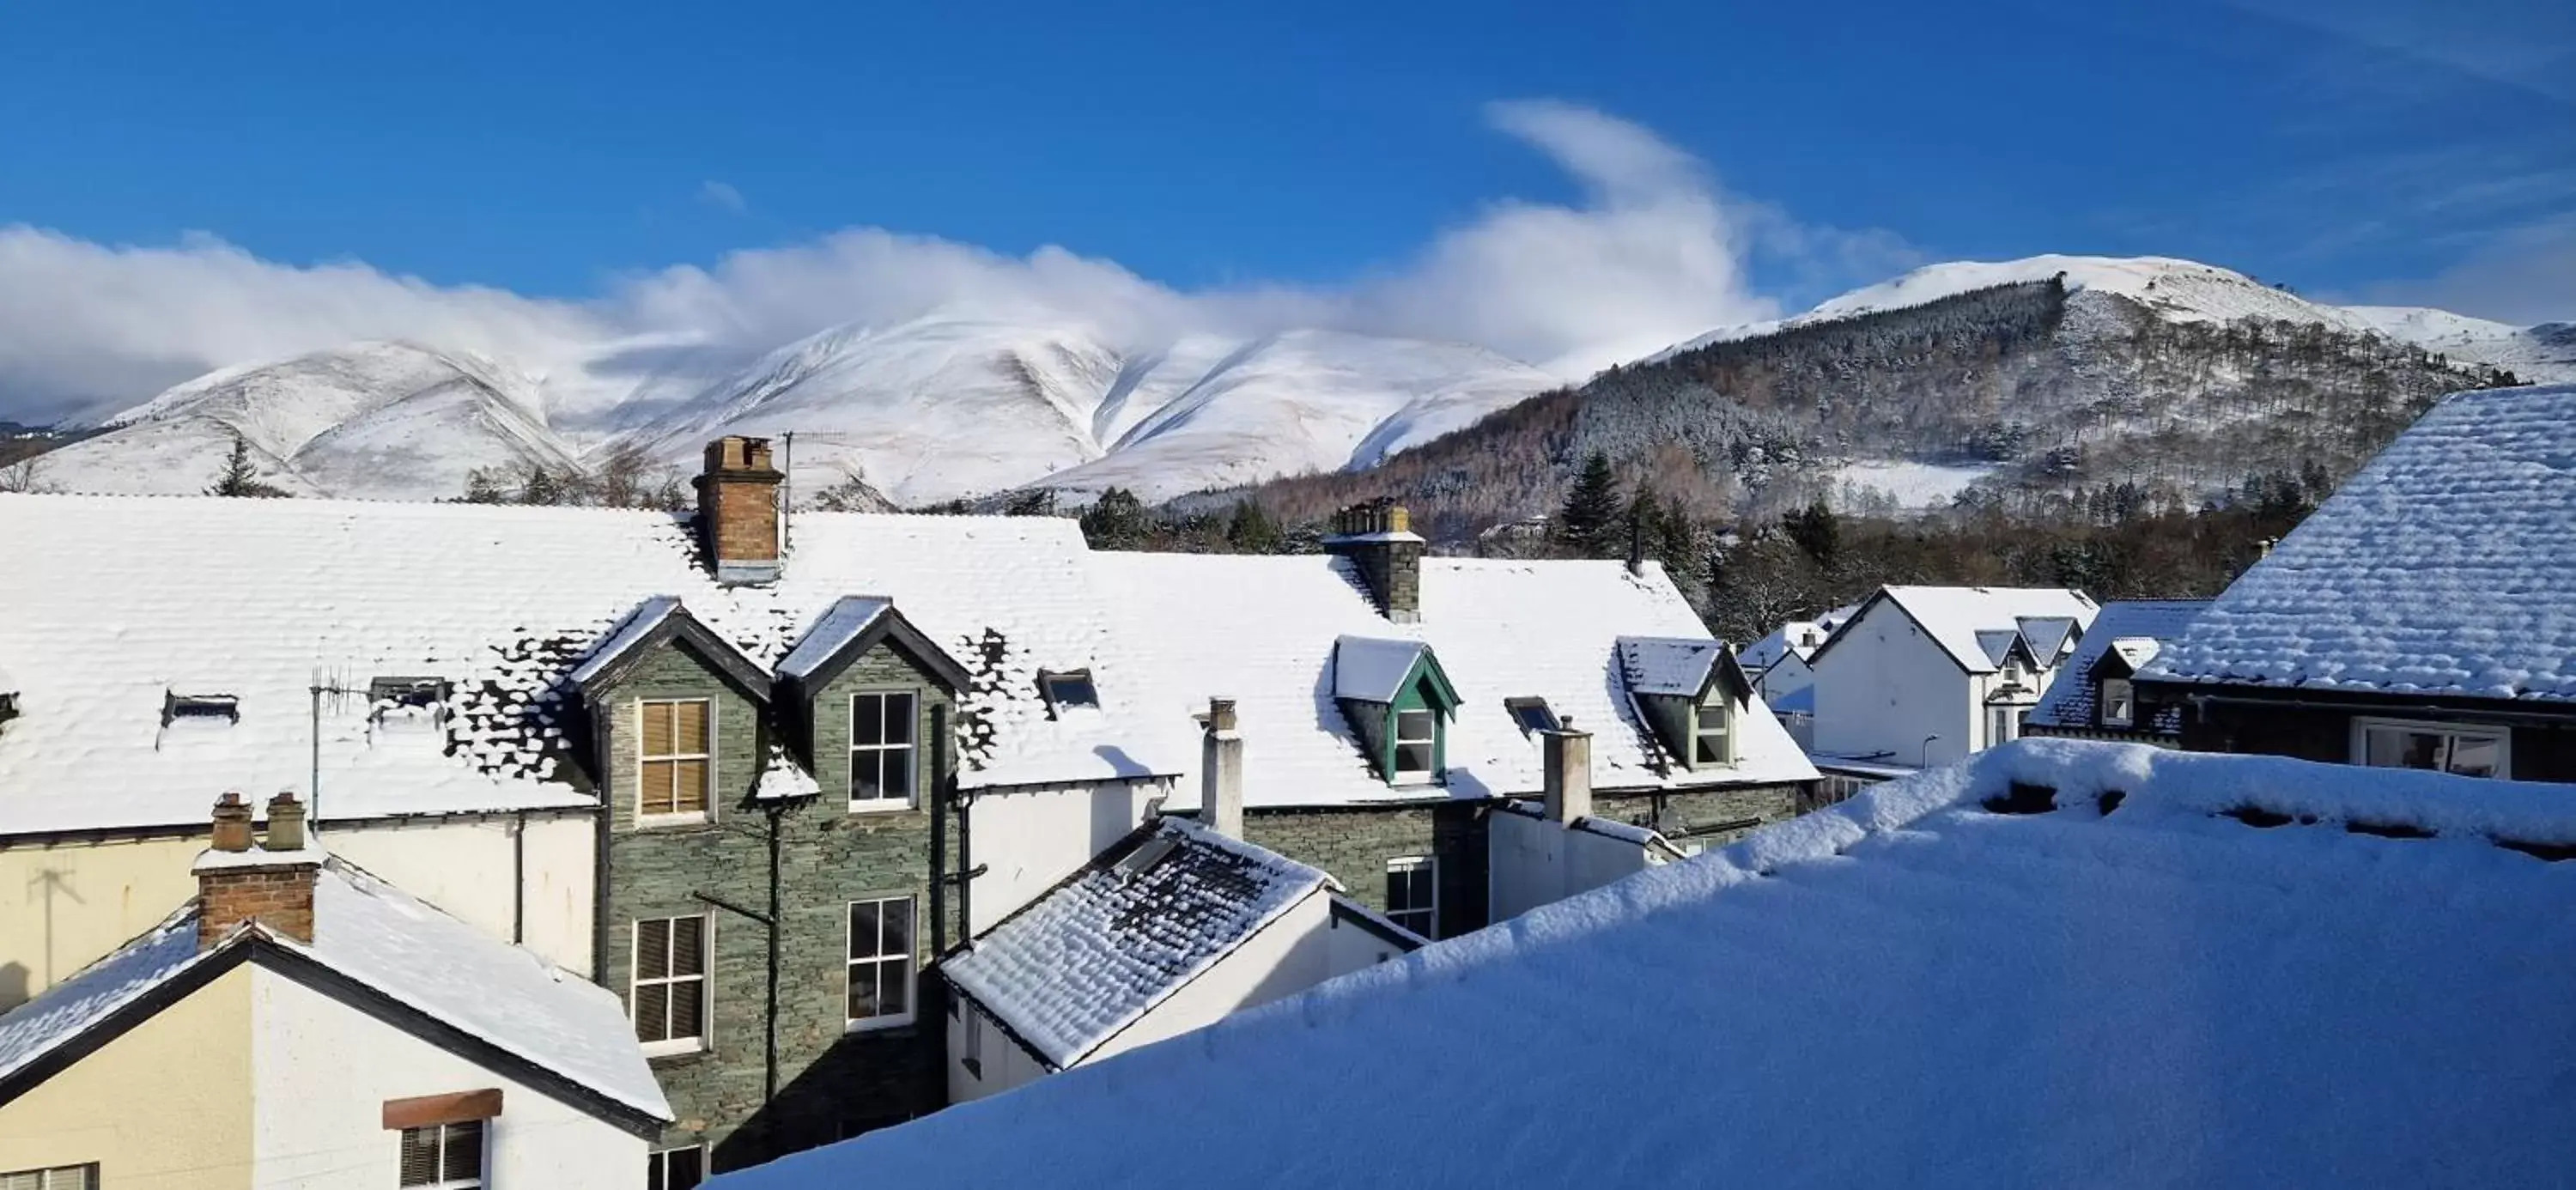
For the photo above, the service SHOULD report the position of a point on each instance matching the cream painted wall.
(321, 1071)
(1289, 955)
(1030, 839)
(63, 906)
(1533, 862)
(164, 1107)
(1003, 1063)
(1349, 947)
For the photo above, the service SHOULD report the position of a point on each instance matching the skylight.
(1070, 688)
(1146, 855)
(199, 708)
(1532, 714)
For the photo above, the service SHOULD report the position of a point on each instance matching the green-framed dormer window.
(1398, 703)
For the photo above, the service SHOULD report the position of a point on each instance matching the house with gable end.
(1922, 676)
(1390, 702)
(696, 758)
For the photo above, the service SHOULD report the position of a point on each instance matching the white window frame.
(657, 1168)
(1715, 700)
(2128, 694)
(1397, 774)
(440, 1180)
(53, 1177)
(2502, 735)
(706, 980)
(686, 817)
(911, 963)
(1430, 912)
(1516, 706)
(911, 749)
(2014, 715)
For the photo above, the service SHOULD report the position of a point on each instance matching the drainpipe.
(519, 879)
(938, 833)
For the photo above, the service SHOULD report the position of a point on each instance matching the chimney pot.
(285, 823)
(1221, 771)
(232, 823)
(738, 511)
(1568, 762)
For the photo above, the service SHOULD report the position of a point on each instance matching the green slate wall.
(832, 1083)
(1354, 844)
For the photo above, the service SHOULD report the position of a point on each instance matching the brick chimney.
(1221, 771)
(1378, 538)
(1568, 760)
(738, 511)
(239, 881)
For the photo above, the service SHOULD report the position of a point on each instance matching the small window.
(675, 762)
(880, 962)
(2119, 702)
(60, 1177)
(676, 1169)
(1413, 893)
(1071, 688)
(2003, 723)
(881, 768)
(669, 996)
(419, 693)
(1416, 743)
(1713, 732)
(1532, 714)
(199, 708)
(443, 1156)
(2440, 747)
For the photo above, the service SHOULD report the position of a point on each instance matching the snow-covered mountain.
(2190, 292)
(940, 408)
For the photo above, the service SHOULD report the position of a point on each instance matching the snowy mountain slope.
(2544, 353)
(382, 420)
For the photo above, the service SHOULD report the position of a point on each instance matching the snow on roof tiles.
(2133, 628)
(1955, 615)
(1501, 629)
(848, 617)
(112, 600)
(2157, 996)
(1372, 669)
(1076, 966)
(637, 627)
(2442, 568)
(1666, 665)
(382, 937)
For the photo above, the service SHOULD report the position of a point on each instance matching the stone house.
(2420, 618)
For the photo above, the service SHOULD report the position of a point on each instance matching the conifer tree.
(239, 477)
(1590, 523)
(1117, 521)
(1252, 530)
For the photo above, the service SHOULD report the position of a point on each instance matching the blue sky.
(2362, 150)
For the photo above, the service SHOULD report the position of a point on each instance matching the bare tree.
(24, 475)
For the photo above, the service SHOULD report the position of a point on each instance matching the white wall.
(1534, 862)
(1031, 839)
(465, 866)
(1289, 955)
(1882, 685)
(1003, 1063)
(1789, 675)
(1349, 947)
(321, 1072)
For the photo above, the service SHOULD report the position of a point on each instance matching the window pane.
(653, 1012)
(654, 784)
(687, 1168)
(867, 720)
(1413, 725)
(898, 927)
(657, 729)
(2476, 756)
(465, 1151)
(893, 987)
(863, 991)
(2398, 748)
(419, 1156)
(863, 930)
(688, 1008)
(689, 727)
(1712, 750)
(689, 786)
(1413, 758)
(896, 781)
(652, 949)
(898, 718)
(688, 946)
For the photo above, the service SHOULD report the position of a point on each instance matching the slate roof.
(112, 602)
(1372, 669)
(1262, 630)
(1666, 665)
(1905, 989)
(1954, 617)
(2134, 628)
(2442, 568)
(1074, 968)
(396, 945)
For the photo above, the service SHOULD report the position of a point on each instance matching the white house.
(1778, 665)
(301, 1023)
(2063, 963)
(1922, 676)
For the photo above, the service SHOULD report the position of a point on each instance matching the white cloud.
(2524, 276)
(1654, 253)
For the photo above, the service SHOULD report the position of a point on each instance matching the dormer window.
(199, 708)
(1398, 703)
(399, 701)
(1069, 688)
(1713, 730)
(1417, 744)
(2119, 703)
(1532, 714)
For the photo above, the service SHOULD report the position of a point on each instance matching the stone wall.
(833, 1081)
(1354, 844)
(1705, 816)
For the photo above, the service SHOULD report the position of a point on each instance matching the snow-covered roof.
(2442, 568)
(1955, 616)
(1073, 968)
(1373, 669)
(849, 616)
(1500, 630)
(2133, 628)
(2160, 994)
(1666, 665)
(1801, 637)
(114, 601)
(397, 946)
(638, 627)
